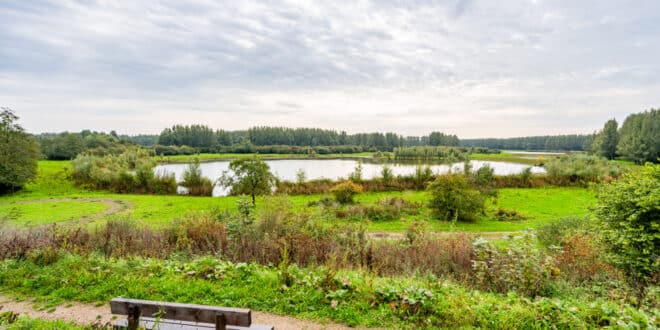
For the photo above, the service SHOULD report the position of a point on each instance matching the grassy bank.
(351, 297)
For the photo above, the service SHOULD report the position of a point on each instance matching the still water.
(285, 169)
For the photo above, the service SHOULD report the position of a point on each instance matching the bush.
(554, 232)
(345, 191)
(629, 213)
(193, 180)
(508, 215)
(454, 199)
(520, 267)
(580, 169)
(128, 172)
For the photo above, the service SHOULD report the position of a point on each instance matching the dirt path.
(114, 206)
(89, 314)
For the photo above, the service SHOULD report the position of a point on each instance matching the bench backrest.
(181, 312)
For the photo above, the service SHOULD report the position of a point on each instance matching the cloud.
(475, 68)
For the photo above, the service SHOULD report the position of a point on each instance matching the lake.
(285, 169)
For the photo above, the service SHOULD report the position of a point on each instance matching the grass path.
(111, 206)
(85, 314)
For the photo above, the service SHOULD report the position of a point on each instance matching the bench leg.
(220, 322)
(133, 317)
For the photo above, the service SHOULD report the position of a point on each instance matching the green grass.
(230, 156)
(527, 159)
(361, 299)
(540, 205)
(46, 212)
(25, 322)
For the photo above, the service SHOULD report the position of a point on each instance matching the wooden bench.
(146, 314)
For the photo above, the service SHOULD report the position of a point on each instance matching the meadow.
(52, 198)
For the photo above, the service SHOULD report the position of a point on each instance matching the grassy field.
(44, 211)
(539, 205)
(527, 159)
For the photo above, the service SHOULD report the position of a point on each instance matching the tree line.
(637, 140)
(206, 139)
(66, 145)
(570, 142)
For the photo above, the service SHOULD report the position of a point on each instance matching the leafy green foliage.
(453, 198)
(521, 266)
(356, 175)
(195, 182)
(449, 154)
(345, 191)
(19, 153)
(128, 172)
(580, 169)
(386, 174)
(350, 297)
(640, 137)
(605, 142)
(629, 210)
(249, 176)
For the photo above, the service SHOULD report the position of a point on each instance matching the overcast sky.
(476, 68)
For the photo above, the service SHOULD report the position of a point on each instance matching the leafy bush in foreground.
(629, 211)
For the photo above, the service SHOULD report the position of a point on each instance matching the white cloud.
(474, 68)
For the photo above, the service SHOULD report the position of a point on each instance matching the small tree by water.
(193, 180)
(249, 176)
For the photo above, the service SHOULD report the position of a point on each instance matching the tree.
(629, 211)
(19, 153)
(250, 176)
(605, 142)
(640, 137)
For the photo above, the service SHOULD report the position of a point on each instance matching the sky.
(475, 68)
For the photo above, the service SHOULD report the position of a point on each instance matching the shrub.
(554, 232)
(581, 258)
(128, 172)
(521, 266)
(508, 215)
(453, 198)
(386, 174)
(422, 175)
(629, 212)
(345, 191)
(356, 175)
(580, 169)
(195, 182)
